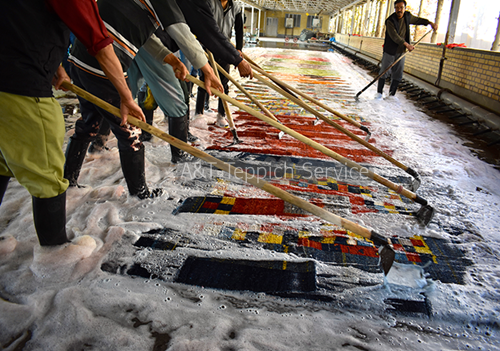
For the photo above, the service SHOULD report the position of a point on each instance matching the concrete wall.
(471, 74)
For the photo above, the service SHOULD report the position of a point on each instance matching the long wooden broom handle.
(392, 65)
(237, 172)
(244, 91)
(351, 164)
(224, 102)
(304, 95)
(332, 123)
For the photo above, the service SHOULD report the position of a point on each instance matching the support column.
(452, 24)
(496, 44)
(361, 18)
(353, 20)
(251, 28)
(450, 36)
(341, 22)
(381, 19)
(368, 30)
(258, 25)
(375, 6)
(265, 24)
(390, 10)
(417, 28)
(364, 15)
(343, 29)
(366, 20)
(243, 14)
(437, 20)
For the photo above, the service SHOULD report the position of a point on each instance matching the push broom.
(386, 252)
(388, 68)
(424, 215)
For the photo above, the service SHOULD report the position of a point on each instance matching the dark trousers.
(202, 93)
(87, 127)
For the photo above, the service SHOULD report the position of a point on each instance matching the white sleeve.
(186, 41)
(156, 48)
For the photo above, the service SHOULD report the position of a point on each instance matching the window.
(313, 22)
(296, 20)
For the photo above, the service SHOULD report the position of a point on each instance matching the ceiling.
(313, 7)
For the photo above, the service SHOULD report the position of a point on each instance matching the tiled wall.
(472, 74)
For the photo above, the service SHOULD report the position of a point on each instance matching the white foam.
(58, 262)
(409, 275)
(7, 244)
(60, 299)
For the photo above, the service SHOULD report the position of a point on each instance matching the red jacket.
(34, 36)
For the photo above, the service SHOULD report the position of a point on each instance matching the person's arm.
(419, 21)
(202, 23)
(392, 32)
(82, 18)
(188, 44)
(113, 69)
(179, 68)
(155, 48)
(60, 77)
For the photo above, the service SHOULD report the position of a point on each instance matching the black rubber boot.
(145, 136)
(4, 182)
(190, 137)
(190, 89)
(49, 216)
(133, 170)
(207, 102)
(75, 154)
(200, 101)
(394, 87)
(186, 90)
(177, 127)
(380, 87)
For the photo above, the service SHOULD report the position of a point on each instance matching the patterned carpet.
(305, 172)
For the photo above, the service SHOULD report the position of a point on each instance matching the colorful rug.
(327, 184)
(340, 205)
(260, 138)
(277, 226)
(442, 260)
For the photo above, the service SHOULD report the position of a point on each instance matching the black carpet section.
(258, 276)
